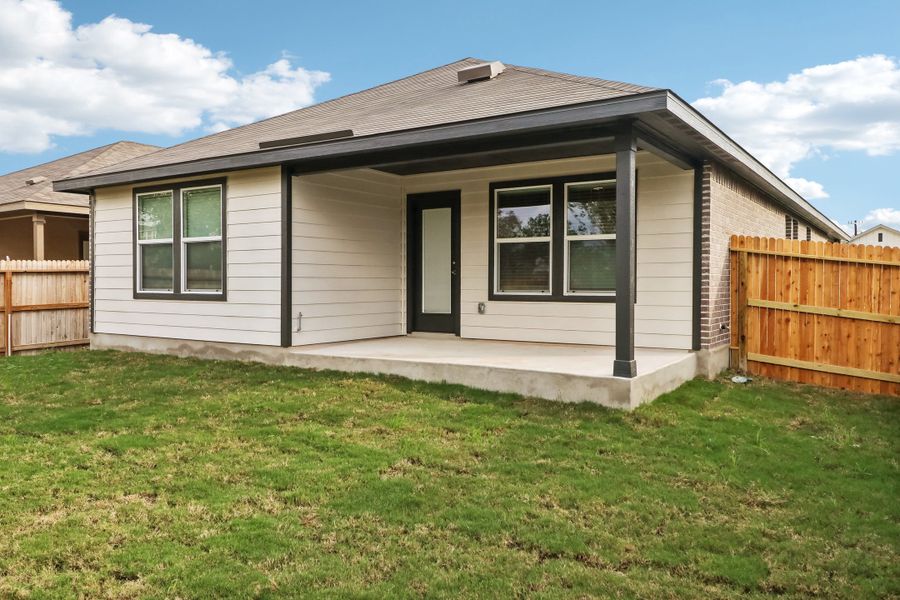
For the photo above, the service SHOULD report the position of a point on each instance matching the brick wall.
(731, 206)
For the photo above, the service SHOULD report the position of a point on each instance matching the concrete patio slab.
(561, 372)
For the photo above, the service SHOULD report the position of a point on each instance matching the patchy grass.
(129, 475)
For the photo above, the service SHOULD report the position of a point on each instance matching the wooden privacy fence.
(45, 304)
(816, 312)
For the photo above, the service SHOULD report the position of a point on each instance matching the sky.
(811, 88)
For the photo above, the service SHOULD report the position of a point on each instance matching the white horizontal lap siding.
(347, 256)
(664, 258)
(251, 313)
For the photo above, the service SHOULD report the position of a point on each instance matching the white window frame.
(498, 240)
(585, 238)
(209, 238)
(155, 242)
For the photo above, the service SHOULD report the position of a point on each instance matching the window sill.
(218, 297)
(493, 297)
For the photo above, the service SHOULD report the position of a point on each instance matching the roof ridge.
(594, 81)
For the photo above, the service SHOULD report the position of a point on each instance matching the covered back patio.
(375, 206)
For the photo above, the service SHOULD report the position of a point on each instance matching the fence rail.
(816, 312)
(45, 304)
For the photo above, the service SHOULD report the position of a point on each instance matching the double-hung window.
(590, 237)
(179, 243)
(522, 240)
(201, 240)
(554, 239)
(155, 248)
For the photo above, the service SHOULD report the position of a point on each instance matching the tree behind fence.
(816, 312)
(43, 304)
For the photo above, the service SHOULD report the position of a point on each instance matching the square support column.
(37, 234)
(626, 244)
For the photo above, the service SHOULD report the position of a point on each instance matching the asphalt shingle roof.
(14, 187)
(429, 98)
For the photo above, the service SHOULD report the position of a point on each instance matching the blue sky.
(682, 46)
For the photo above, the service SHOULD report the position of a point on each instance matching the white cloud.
(117, 74)
(886, 216)
(852, 106)
(807, 188)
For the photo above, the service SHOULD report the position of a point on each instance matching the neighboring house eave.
(44, 207)
(678, 131)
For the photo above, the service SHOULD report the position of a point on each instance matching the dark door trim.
(414, 205)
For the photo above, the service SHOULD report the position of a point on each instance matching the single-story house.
(500, 226)
(38, 223)
(878, 235)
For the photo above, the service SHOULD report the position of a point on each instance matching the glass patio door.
(434, 262)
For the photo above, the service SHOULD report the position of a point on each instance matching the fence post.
(7, 308)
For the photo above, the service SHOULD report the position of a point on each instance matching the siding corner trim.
(286, 256)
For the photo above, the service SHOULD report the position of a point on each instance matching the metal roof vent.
(479, 72)
(35, 180)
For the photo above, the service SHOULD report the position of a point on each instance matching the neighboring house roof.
(433, 110)
(873, 229)
(32, 188)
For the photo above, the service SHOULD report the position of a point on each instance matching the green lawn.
(129, 475)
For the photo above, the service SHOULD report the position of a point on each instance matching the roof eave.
(632, 106)
(759, 173)
(546, 119)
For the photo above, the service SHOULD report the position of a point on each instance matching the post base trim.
(624, 368)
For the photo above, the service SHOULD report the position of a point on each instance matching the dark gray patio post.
(626, 146)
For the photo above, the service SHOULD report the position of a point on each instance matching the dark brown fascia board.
(565, 116)
(763, 176)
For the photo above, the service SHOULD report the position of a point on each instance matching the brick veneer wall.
(730, 206)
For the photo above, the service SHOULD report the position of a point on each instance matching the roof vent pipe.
(479, 72)
(34, 180)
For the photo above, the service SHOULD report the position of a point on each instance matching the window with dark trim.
(880, 237)
(522, 238)
(553, 239)
(809, 234)
(179, 241)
